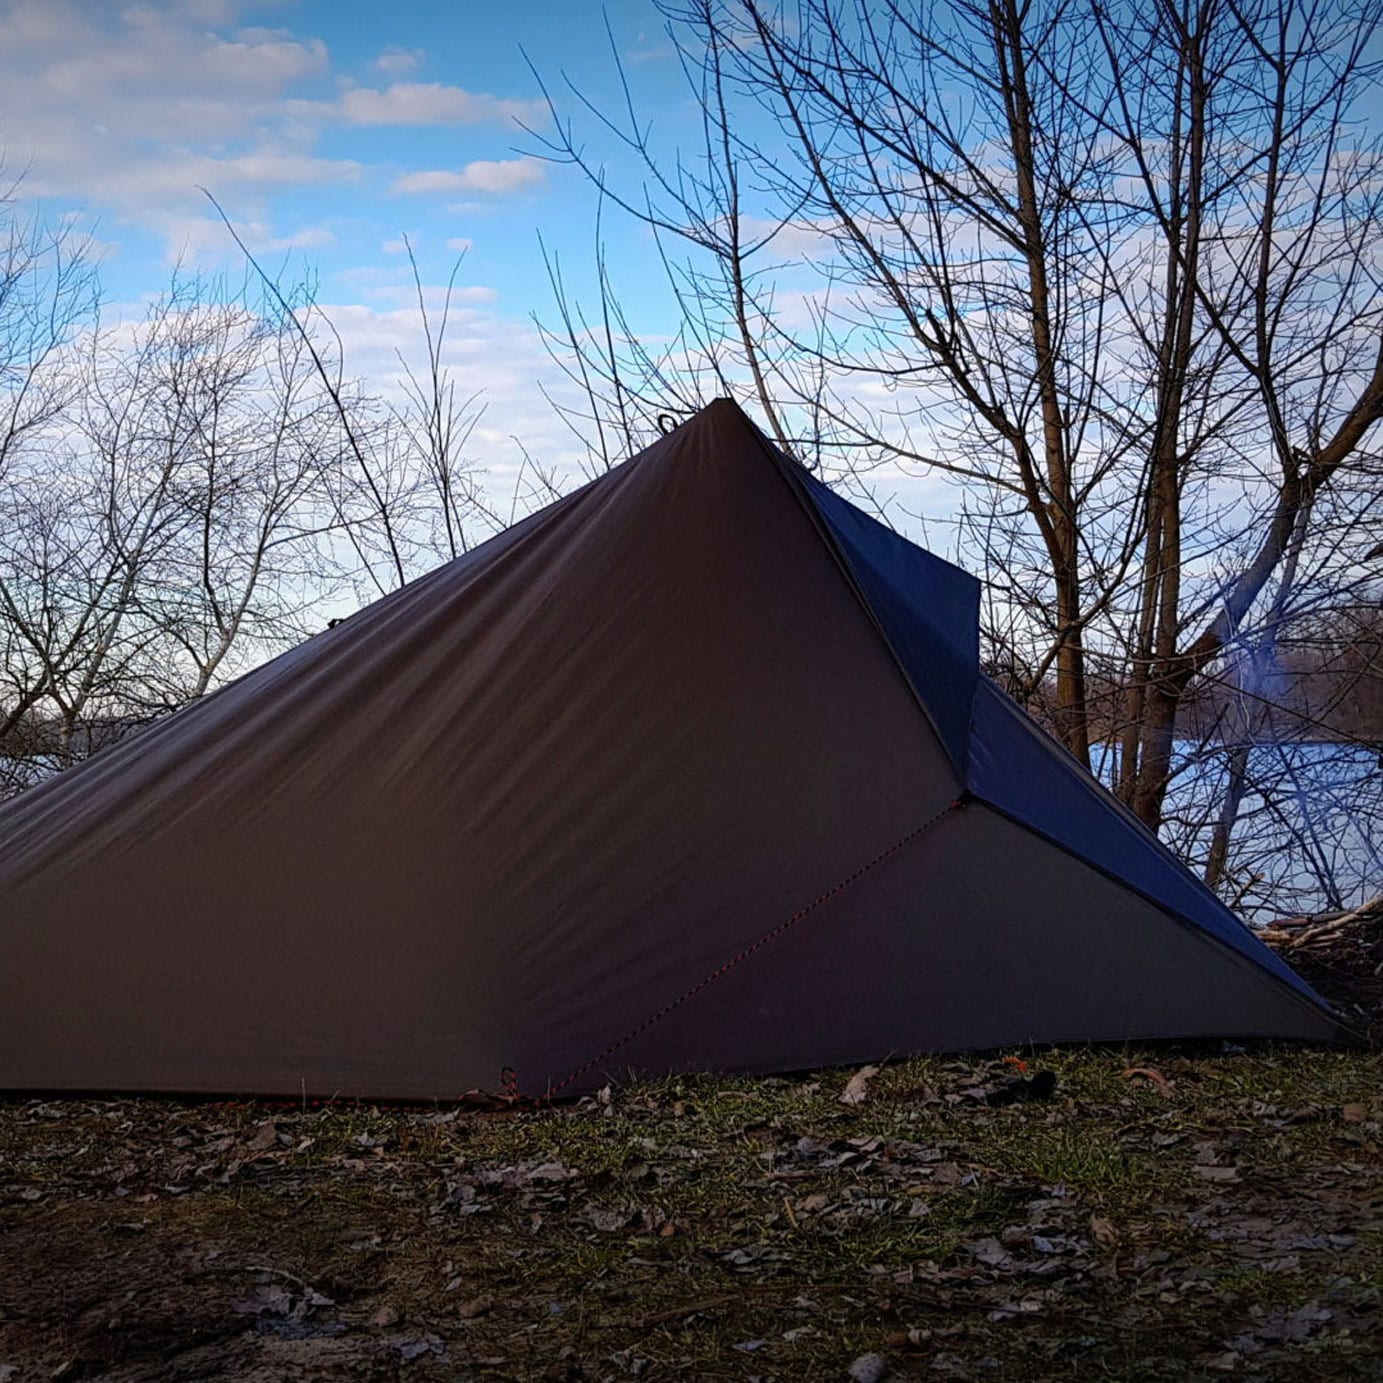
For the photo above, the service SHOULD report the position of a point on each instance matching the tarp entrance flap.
(927, 610)
(1018, 769)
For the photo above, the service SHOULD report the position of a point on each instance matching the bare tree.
(46, 287)
(1113, 269)
(435, 425)
(208, 490)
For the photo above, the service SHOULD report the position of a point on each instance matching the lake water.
(1309, 837)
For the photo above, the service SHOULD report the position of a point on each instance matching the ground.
(1162, 1214)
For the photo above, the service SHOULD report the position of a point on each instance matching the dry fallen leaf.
(266, 1299)
(1105, 1235)
(868, 1368)
(1153, 1077)
(1226, 1362)
(1283, 1325)
(992, 1252)
(427, 1343)
(266, 1137)
(856, 1088)
(915, 1337)
(1211, 1173)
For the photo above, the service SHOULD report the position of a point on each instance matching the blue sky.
(328, 131)
(329, 127)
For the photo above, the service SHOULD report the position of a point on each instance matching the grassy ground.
(1220, 1215)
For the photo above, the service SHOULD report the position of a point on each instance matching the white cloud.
(398, 244)
(406, 295)
(394, 62)
(649, 48)
(290, 169)
(475, 293)
(259, 34)
(393, 283)
(484, 175)
(204, 240)
(131, 108)
(429, 103)
(160, 192)
(486, 352)
(147, 72)
(209, 11)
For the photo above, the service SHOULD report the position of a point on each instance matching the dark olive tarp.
(691, 770)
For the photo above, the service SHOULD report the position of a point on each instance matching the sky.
(330, 130)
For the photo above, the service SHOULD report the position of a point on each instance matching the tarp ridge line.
(771, 935)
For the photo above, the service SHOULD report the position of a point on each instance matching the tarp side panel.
(1016, 766)
(979, 935)
(927, 609)
(479, 826)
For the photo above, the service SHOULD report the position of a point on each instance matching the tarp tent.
(693, 769)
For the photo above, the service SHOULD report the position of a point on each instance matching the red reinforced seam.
(753, 946)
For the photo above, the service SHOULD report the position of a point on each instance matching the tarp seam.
(771, 935)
